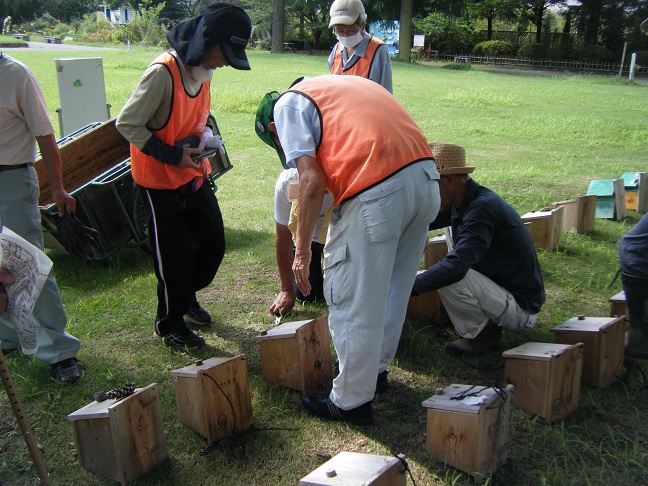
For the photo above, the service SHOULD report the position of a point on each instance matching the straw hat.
(450, 158)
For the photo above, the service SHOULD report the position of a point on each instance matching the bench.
(462, 59)
(51, 39)
(24, 37)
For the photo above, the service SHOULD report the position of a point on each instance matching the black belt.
(17, 166)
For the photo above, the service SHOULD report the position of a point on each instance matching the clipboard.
(205, 153)
(218, 160)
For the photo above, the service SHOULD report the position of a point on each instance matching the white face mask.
(350, 41)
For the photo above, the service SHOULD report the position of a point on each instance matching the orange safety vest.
(188, 117)
(358, 153)
(362, 66)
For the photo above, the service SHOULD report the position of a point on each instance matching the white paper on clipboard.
(30, 268)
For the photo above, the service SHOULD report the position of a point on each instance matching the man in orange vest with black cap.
(166, 122)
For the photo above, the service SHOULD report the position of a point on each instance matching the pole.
(625, 46)
(25, 428)
(633, 66)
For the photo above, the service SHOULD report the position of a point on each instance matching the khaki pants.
(476, 300)
(373, 250)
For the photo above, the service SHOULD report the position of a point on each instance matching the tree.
(451, 8)
(191, 8)
(147, 27)
(537, 10)
(489, 9)
(593, 15)
(20, 11)
(445, 33)
(611, 22)
(278, 25)
(312, 17)
(405, 34)
(69, 10)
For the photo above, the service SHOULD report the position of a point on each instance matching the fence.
(549, 39)
(587, 66)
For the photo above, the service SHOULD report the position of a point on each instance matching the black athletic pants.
(188, 244)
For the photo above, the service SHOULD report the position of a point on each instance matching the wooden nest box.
(604, 340)
(546, 377)
(297, 355)
(469, 428)
(355, 469)
(121, 439)
(213, 397)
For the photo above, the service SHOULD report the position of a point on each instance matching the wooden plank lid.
(464, 398)
(101, 409)
(540, 351)
(202, 365)
(285, 330)
(586, 324)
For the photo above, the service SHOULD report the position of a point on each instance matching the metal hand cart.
(97, 172)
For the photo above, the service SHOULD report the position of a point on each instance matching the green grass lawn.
(535, 140)
(10, 41)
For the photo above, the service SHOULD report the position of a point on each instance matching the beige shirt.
(23, 113)
(149, 106)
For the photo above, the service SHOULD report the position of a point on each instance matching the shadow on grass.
(237, 239)
(130, 262)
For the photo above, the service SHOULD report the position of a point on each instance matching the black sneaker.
(180, 338)
(67, 371)
(197, 315)
(324, 408)
(382, 383)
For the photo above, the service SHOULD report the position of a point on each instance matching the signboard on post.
(82, 93)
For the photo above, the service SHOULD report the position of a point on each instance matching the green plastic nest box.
(604, 191)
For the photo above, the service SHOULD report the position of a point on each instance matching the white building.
(120, 16)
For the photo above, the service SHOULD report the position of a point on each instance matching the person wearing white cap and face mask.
(166, 120)
(357, 53)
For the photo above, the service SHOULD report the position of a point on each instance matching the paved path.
(45, 46)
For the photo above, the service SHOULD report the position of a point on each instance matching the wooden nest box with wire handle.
(469, 427)
(213, 397)
(121, 439)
